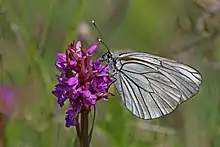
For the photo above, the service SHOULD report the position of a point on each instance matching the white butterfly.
(151, 86)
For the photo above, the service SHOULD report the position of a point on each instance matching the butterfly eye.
(103, 56)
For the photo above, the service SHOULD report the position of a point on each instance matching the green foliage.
(32, 32)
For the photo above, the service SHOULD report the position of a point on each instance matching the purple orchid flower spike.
(82, 81)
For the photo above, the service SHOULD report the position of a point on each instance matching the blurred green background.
(33, 31)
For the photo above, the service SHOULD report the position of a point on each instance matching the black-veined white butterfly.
(151, 86)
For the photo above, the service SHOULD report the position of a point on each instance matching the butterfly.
(151, 86)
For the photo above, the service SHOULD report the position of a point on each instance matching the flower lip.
(70, 118)
(89, 97)
(72, 81)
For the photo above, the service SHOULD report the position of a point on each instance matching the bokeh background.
(33, 31)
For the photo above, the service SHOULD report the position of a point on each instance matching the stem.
(84, 138)
(2, 130)
(78, 131)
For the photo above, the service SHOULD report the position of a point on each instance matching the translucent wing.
(152, 86)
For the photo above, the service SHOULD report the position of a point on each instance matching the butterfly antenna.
(102, 42)
(101, 38)
(97, 29)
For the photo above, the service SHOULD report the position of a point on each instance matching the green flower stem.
(84, 138)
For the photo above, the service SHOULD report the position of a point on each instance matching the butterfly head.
(107, 57)
(110, 60)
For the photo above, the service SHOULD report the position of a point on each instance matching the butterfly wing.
(152, 86)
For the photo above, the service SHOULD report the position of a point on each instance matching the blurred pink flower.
(7, 100)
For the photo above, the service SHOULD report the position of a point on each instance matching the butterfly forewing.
(152, 86)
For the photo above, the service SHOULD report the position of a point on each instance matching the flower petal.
(60, 92)
(61, 57)
(86, 93)
(61, 66)
(72, 81)
(78, 45)
(97, 62)
(102, 74)
(73, 63)
(91, 50)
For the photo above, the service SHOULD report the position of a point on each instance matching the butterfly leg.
(113, 80)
